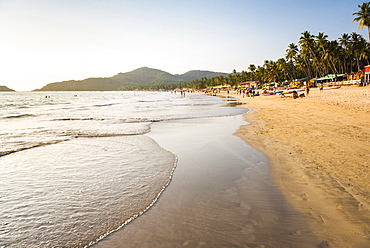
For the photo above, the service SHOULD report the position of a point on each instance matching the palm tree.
(345, 41)
(252, 68)
(291, 52)
(307, 45)
(291, 56)
(332, 55)
(322, 42)
(358, 45)
(363, 17)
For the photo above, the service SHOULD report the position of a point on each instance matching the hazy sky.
(45, 41)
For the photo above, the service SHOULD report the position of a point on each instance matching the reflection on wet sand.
(221, 195)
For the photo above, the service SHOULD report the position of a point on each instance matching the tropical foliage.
(363, 17)
(140, 79)
(312, 56)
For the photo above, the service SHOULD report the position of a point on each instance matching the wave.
(99, 135)
(3, 153)
(143, 120)
(139, 120)
(128, 120)
(104, 105)
(135, 216)
(79, 119)
(16, 116)
(73, 135)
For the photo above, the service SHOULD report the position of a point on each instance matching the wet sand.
(221, 195)
(319, 151)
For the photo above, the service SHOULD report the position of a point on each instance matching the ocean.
(77, 166)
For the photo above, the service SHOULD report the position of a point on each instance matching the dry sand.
(319, 151)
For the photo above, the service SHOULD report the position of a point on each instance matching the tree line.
(312, 56)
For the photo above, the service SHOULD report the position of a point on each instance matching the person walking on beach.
(307, 89)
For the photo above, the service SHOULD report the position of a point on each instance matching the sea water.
(76, 166)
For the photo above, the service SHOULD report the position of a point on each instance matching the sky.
(46, 41)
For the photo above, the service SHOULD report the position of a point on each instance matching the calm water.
(76, 166)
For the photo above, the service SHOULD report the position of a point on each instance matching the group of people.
(251, 92)
(295, 93)
(182, 92)
(247, 92)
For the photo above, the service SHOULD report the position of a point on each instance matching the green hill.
(195, 75)
(139, 77)
(4, 88)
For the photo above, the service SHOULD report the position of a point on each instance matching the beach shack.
(301, 82)
(331, 79)
(367, 75)
(249, 85)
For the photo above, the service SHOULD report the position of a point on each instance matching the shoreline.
(221, 194)
(318, 149)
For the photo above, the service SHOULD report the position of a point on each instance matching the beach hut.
(249, 84)
(367, 75)
(302, 81)
(330, 79)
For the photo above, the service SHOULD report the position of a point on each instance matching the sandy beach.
(310, 190)
(221, 195)
(319, 151)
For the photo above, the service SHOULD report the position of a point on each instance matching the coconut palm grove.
(312, 56)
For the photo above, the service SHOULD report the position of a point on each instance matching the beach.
(77, 166)
(303, 182)
(221, 195)
(319, 152)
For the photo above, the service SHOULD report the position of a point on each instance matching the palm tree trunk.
(358, 64)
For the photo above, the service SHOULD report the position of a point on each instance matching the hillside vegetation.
(136, 79)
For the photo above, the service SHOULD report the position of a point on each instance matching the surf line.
(135, 216)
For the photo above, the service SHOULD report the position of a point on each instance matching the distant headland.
(133, 80)
(4, 88)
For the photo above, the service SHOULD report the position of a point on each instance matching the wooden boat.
(331, 88)
(290, 91)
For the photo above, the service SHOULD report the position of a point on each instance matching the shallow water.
(75, 166)
(69, 194)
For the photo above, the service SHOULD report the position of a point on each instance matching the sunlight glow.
(48, 41)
